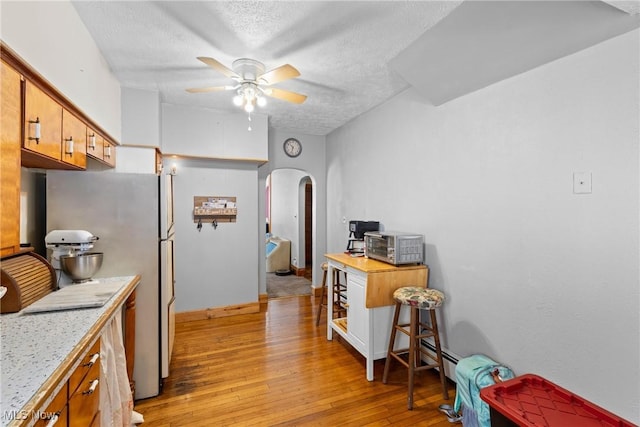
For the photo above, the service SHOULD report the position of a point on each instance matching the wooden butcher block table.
(370, 304)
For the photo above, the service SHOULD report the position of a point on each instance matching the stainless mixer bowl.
(81, 266)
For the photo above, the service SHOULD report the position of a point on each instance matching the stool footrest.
(426, 333)
(405, 363)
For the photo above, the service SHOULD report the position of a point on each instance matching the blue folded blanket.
(472, 374)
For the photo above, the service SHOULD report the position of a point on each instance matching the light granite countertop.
(36, 347)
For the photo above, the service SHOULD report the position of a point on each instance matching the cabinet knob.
(92, 141)
(93, 360)
(108, 151)
(36, 130)
(68, 145)
(92, 388)
(53, 420)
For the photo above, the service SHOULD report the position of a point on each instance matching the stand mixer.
(70, 256)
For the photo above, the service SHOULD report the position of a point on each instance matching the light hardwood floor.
(277, 368)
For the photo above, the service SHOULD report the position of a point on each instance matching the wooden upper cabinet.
(10, 141)
(100, 148)
(48, 122)
(95, 144)
(109, 154)
(45, 114)
(74, 140)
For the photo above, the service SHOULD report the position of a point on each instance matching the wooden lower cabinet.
(130, 337)
(84, 389)
(77, 403)
(85, 401)
(57, 409)
(89, 362)
(96, 420)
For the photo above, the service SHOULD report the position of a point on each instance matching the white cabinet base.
(366, 329)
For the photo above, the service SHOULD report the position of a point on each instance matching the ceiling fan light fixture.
(250, 78)
(249, 95)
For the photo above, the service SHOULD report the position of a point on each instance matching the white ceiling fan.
(252, 82)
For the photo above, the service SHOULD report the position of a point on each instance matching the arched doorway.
(290, 213)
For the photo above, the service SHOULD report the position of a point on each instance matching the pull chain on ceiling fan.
(252, 82)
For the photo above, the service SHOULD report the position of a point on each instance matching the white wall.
(135, 160)
(310, 162)
(215, 267)
(140, 131)
(140, 117)
(203, 132)
(537, 277)
(50, 37)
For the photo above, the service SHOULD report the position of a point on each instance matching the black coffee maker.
(356, 234)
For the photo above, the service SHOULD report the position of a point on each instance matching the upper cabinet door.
(10, 125)
(95, 144)
(74, 140)
(43, 123)
(109, 154)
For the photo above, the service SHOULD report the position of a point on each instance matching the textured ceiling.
(341, 48)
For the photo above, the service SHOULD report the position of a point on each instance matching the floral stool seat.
(416, 298)
(422, 298)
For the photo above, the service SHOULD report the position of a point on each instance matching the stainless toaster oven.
(394, 247)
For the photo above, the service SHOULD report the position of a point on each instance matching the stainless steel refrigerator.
(132, 214)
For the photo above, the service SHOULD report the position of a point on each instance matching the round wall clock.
(292, 147)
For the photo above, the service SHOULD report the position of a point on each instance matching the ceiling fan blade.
(280, 74)
(285, 95)
(210, 89)
(219, 67)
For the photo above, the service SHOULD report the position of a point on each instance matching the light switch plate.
(582, 183)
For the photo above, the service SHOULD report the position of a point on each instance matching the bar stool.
(339, 294)
(417, 298)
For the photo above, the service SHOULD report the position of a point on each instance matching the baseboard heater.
(445, 353)
(448, 356)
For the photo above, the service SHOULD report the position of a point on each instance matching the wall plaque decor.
(214, 208)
